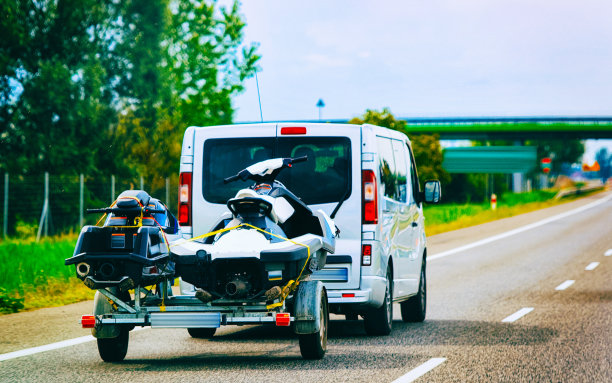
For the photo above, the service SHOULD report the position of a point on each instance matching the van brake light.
(293, 130)
(184, 206)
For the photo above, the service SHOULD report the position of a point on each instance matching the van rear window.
(324, 178)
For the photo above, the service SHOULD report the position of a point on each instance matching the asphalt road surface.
(502, 307)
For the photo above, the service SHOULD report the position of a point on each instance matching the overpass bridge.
(505, 128)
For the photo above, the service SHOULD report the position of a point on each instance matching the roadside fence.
(53, 204)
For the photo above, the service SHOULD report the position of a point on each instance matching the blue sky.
(429, 58)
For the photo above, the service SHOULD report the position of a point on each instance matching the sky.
(429, 58)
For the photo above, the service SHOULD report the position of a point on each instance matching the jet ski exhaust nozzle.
(237, 288)
(83, 269)
(106, 270)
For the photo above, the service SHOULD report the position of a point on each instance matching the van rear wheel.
(414, 309)
(379, 321)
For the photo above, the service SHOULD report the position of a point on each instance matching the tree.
(54, 100)
(426, 148)
(605, 163)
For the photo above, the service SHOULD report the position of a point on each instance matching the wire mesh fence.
(23, 200)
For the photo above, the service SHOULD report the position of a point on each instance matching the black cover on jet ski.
(119, 255)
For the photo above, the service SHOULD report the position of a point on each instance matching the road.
(470, 335)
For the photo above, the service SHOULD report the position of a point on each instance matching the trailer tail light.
(283, 319)
(293, 130)
(366, 255)
(184, 207)
(88, 321)
(370, 197)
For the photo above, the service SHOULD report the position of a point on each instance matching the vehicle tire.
(114, 349)
(414, 309)
(313, 346)
(379, 321)
(202, 333)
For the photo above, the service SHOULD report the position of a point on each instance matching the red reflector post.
(88, 321)
(348, 295)
(283, 319)
(293, 130)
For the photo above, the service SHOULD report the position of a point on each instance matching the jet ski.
(260, 249)
(131, 248)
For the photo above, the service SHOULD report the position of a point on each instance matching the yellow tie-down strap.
(290, 286)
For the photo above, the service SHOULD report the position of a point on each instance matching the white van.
(364, 176)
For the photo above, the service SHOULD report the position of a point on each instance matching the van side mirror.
(433, 191)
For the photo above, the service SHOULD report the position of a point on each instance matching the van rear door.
(219, 152)
(332, 173)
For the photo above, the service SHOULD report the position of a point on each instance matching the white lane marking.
(421, 370)
(52, 346)
(517, 315)
(47, 347)
(565, 285)
(518, 230)
(592, 266)
(608, 253)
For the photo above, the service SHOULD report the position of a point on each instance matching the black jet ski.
(131, 248)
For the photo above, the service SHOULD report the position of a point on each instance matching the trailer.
(116, 312)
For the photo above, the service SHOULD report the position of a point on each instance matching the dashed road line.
(517, 315)
(592, 266)
(565, 285)
(421, 370)
(518, 230)
(608, 253)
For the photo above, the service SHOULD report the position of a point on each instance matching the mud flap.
(307, 307)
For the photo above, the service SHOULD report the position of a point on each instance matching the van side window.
(401, 166)
(413, 175)
(386, 164)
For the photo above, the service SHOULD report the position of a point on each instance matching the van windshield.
(324, 178)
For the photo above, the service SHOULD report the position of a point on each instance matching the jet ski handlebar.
(118, 210)
(264, 171)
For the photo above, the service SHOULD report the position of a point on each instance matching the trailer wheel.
(202, 333)
(313, 346)
(114, 349)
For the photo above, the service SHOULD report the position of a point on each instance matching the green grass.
(35, 274)
(447, 217)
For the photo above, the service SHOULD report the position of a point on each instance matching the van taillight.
(184, 203)
(366, 255)
(370, 197)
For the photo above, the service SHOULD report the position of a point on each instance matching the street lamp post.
(320, 105)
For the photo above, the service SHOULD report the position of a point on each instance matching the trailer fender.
(103, 306)
(307, 307)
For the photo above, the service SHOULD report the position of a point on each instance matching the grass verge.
(33, 275)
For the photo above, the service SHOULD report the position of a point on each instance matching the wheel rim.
(422, 290)
(388, 302)
(323, 327)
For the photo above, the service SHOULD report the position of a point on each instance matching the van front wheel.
(379, 321)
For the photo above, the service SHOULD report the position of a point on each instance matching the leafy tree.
(426, 148)
(53, 101)
(605, 163)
